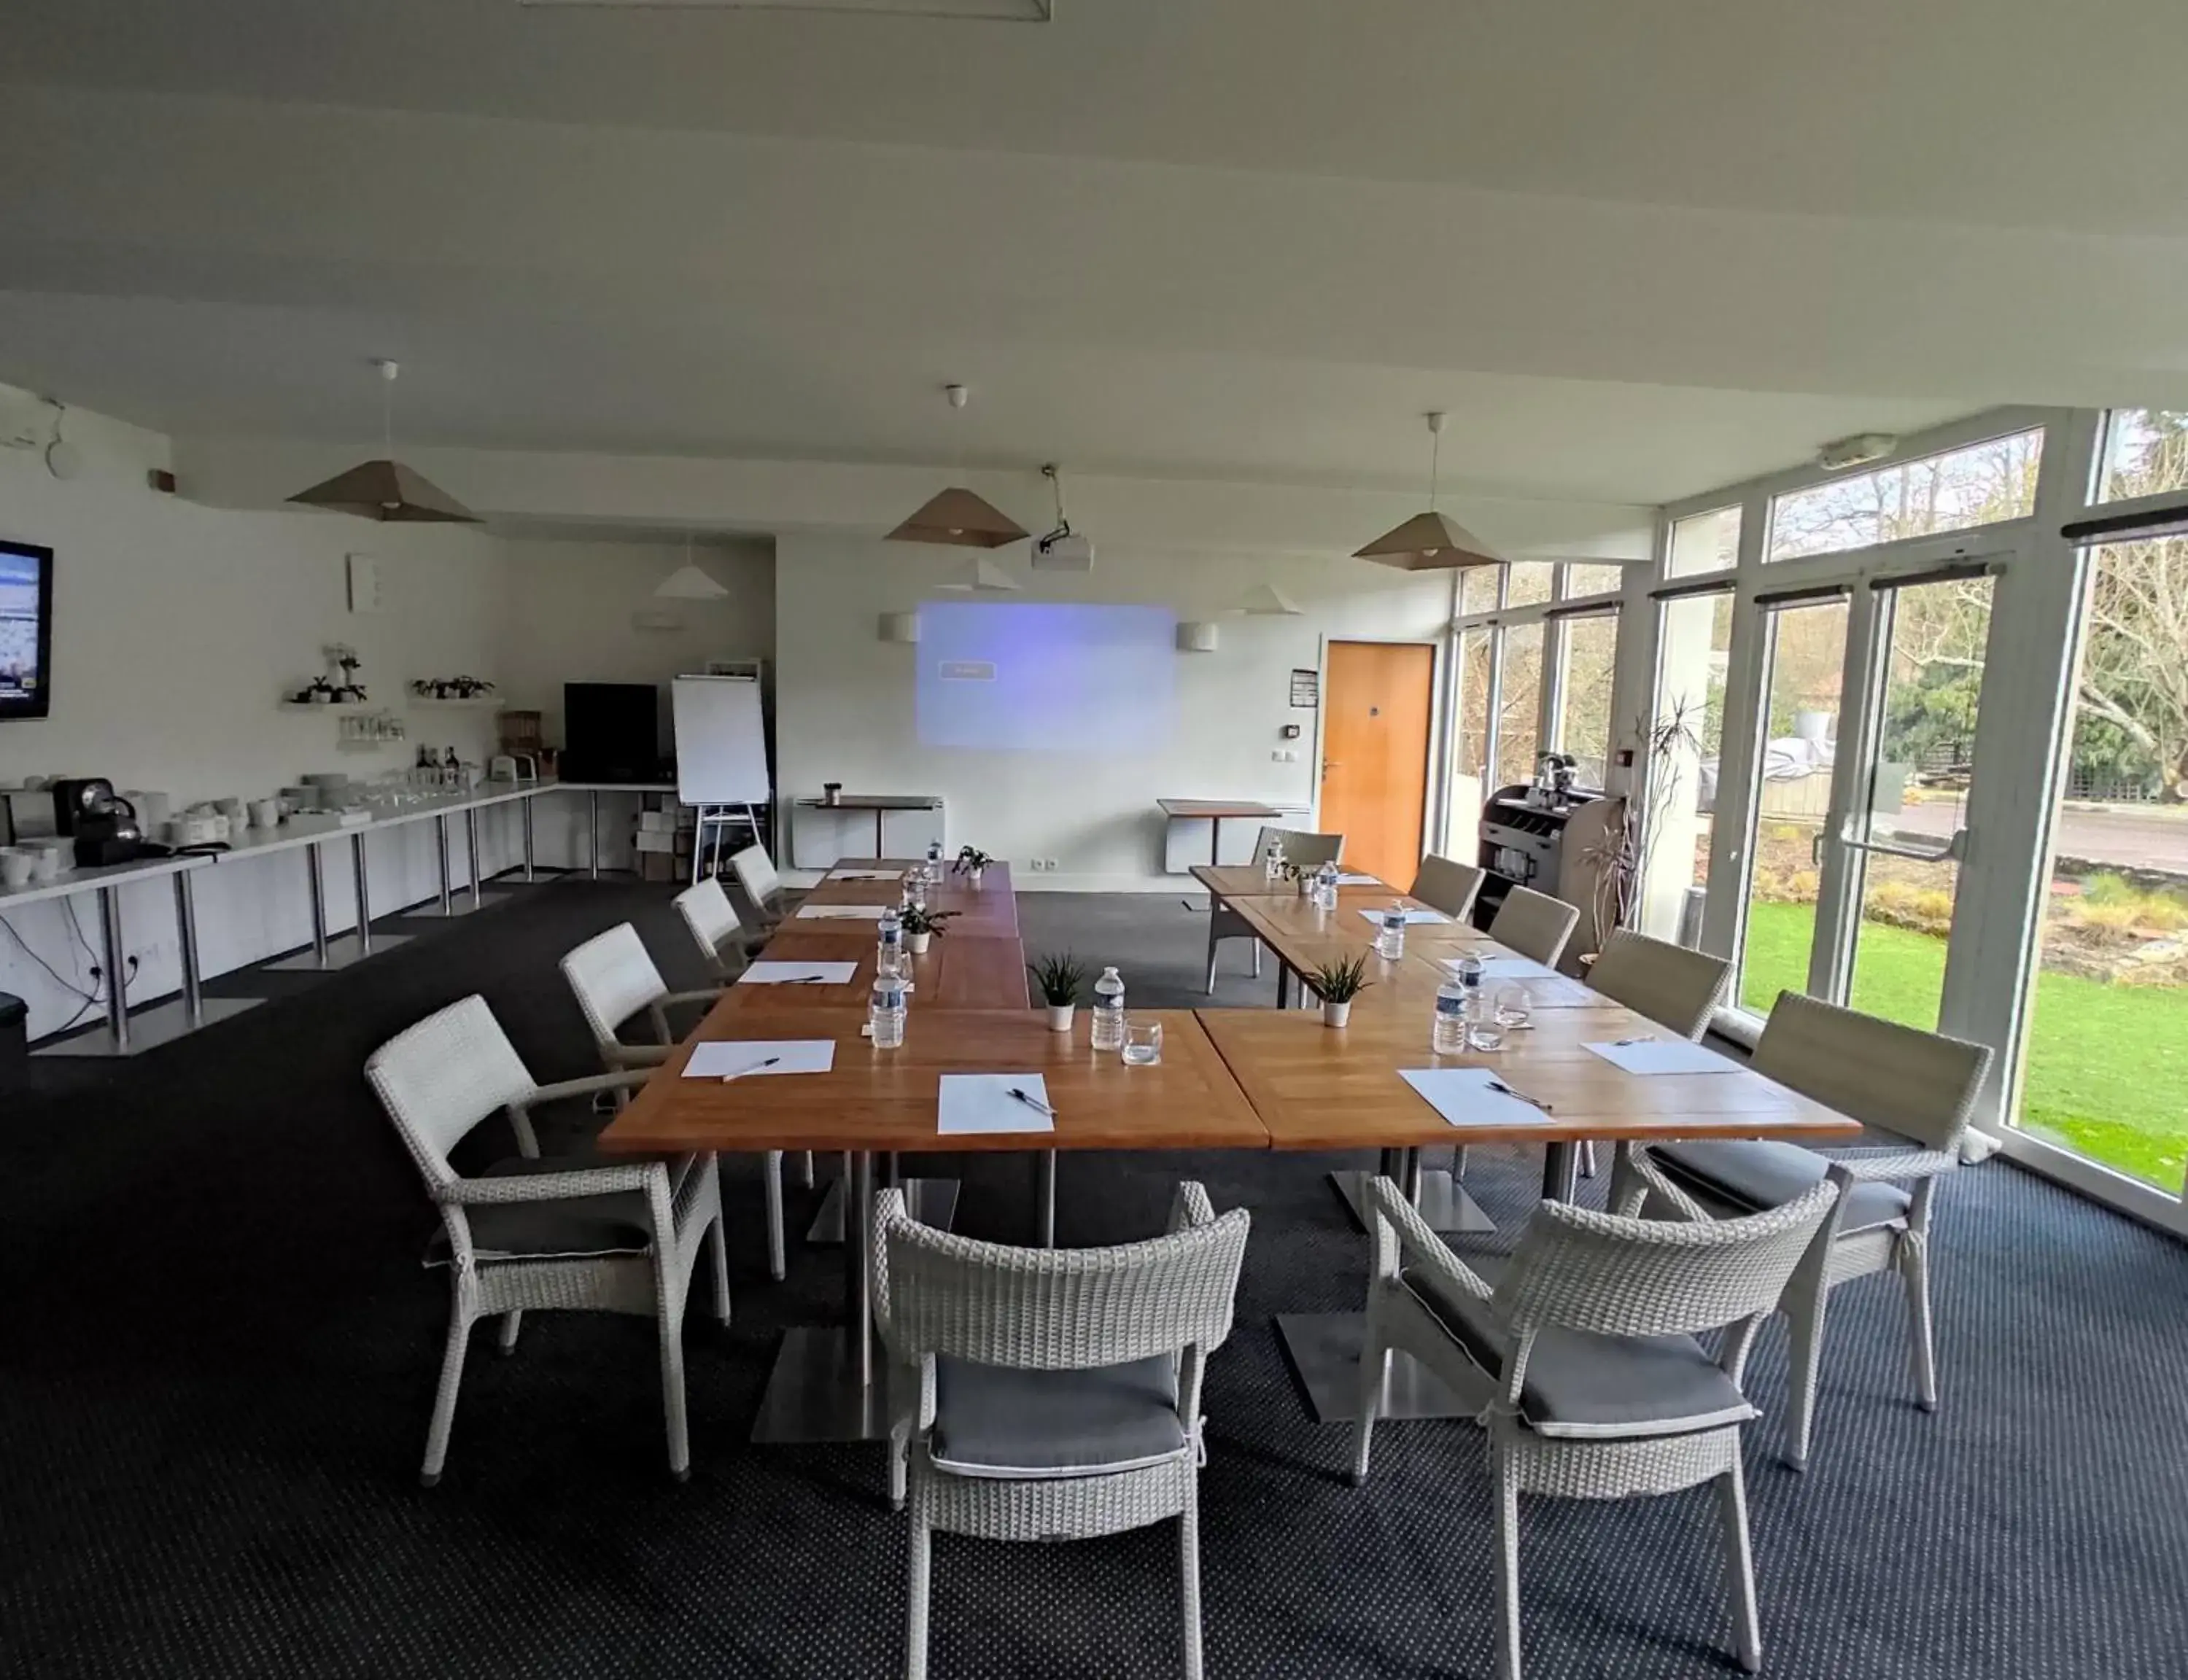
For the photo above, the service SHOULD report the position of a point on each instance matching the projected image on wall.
(1047, 677)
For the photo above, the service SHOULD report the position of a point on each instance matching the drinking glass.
(1515, 1008)
(1484, 1032)
(1142, 1043)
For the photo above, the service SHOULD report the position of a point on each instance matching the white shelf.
(477, 702)
(332, 706)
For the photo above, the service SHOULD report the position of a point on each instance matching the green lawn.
(2107, 1065)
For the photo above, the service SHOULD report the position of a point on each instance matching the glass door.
(1804, 641)
(1903, 833)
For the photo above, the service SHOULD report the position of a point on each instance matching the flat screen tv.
(611, 732)
(26, 630)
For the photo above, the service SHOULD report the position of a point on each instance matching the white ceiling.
(1636, 251)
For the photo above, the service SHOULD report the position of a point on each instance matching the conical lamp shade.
(689, 583)
(961, 519)
(1430, 541)
(388, 491)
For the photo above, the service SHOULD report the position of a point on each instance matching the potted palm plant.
(921, 925)
(972, 864)
(1337, 984)
(1060, 978)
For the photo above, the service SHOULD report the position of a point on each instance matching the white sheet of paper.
(1411, 917)
(719, 1059)
(841, 912)
(865, 874)
(982, 1102)
(1513, 968)
(1463, 1098)
(795, 973)
(1664, 1056)
(1359, 880)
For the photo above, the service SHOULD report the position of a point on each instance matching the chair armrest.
(1401, 1231)
(1189, 1207)
(888, 1209)
(627, 1079)
(633, 1057)
(556, 1186)
(1895, 1164)
(703, 995)
(1644, 1167)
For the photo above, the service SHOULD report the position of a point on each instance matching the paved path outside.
(2157, 838)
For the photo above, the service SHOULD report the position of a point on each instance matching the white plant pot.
(1336, 1014)
(1306, 886)
(1059, 1017)
(976, 876)
(917, 943)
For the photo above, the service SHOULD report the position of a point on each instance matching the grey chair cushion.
(1758, 1173)
(576, 1227)
(989, 1421)
(1581, 1387)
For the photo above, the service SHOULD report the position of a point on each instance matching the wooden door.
(1376, 710)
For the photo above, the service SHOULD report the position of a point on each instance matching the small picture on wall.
(1307, 689)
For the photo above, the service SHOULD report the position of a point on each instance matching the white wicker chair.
(1051, 1394)
(755, 871)
(724, 941)
(1534, 924)
(533, 1235)
(1672, 986)
(1914, 1090)
(1300, 847)
(1449, 885)
(1583, 1353)
(614, 980)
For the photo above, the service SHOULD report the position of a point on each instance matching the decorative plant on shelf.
(1301, 880)
(921, 925)
(1061, 977)
(1337, 984)
(1622, 857)
(971, 863)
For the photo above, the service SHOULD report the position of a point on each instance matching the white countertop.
(309, 831)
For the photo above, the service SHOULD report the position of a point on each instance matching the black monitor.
(611, 732)
(26, 630)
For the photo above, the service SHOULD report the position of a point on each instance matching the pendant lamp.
(688, 582)
(955, 517)
(1431, 541)
(386, 489)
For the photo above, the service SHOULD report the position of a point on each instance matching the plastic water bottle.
(1325, 886)
(1452, 998)
(886, 1013)
(889, 960)
(1391, 934)
(1108, 1024)
(934, 854)
(1272, 862)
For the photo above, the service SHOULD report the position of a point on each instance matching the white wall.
(843, 697)
(177, 628)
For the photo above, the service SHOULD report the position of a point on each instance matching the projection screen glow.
(1051, 677)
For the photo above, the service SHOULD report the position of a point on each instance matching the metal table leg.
(1048, 1198)
(593, 832)
(186, 941)
(826, 1384)
(363, 894)
(1560, 1172)
(471, 850)
(315, 878)
(117, 966)
(879, 851)
(524, 809)
(441, 851)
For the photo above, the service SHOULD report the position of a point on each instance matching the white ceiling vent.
(1013, 11)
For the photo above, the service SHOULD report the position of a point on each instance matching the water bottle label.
(1454, 1007)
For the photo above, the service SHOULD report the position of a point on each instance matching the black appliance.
(26, 630)
(14, 1043)
(77, 799)
(611, 732)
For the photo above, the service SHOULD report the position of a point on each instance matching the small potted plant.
(921, 925)
(1337, 984)
(972, 864)
(1302, 879)
(1060, 977)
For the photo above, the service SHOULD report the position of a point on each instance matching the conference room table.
(1228, 1078)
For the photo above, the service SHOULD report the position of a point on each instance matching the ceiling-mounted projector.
(1061, 549)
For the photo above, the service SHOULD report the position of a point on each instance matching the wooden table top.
(1250, 881)
(1291, 926)
(958, 971)
(1216, 807)
(886, 1100)
(980, 916)
(1317, 1087)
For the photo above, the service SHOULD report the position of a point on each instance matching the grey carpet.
(219, 1353)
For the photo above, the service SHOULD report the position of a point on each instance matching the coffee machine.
(102, 823)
